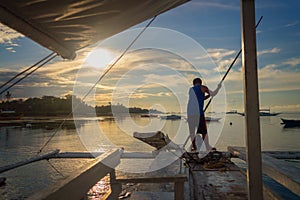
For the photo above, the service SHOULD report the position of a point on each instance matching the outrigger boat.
(212, 119)
(171, 117)
(290, 122)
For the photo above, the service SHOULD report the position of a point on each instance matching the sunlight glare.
(100, 58)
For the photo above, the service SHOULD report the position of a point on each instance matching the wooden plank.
(281, 171)
(177, 179)
(268, 192)
(138, 155)
(179, 190)
(127, 155)
(78, 155)
(251, 100)
(227, 185)
(79, 182)
(28, 161)
(283, 154)
(153, 179)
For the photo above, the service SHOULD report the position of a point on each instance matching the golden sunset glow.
(99, 58)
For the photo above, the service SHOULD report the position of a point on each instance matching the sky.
(157, 78)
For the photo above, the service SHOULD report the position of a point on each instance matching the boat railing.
(76, 185)
(273, 166)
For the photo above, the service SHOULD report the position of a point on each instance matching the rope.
(43, 62)
(100, 78)
(22, 72)
(55, 168)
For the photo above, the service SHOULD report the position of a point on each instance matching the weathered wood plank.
(269, 194)
(138, 155)
(78, 155)
(227, 185)
(251, 100)
(177, 179)
(79, 182)
(153, 179)
(127, 155)
(281, 171)
(179, 190)
(283, 154)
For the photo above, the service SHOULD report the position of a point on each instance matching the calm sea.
(18, 143)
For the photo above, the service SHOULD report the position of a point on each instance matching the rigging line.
(29, 73)
(55, 168)
(22, 72)
(231, 65)
(101, 77)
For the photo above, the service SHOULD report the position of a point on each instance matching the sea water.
(19, 143)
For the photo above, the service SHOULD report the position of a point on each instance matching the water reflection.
(18, 143)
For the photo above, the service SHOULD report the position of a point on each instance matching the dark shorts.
(202, 128)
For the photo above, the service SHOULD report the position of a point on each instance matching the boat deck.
(202, 181)
(217, 184)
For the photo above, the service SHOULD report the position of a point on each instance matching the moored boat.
(171, 117)
(290, 122)
(9, 115)
(149, 115)
(212, 119)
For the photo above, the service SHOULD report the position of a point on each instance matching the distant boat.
(232, 112)
(171, 117)
(9, 115)
(263, 113)
(211, 119)
(290, 122)
(149, 115)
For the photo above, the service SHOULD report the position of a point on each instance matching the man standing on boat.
(195, 113)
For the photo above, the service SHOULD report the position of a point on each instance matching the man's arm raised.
(214, 93)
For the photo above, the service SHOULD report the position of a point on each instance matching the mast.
(251, 101)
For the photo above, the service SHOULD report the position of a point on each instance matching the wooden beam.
(251, 101)
(177, 179)
(127, 155)
(79, 182)
(281, 171)
(283, 154)
(153, 179)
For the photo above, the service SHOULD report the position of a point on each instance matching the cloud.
(10, 49)
(223, 58)
(8, 37)
(220, 53)
(289, 107)
(292, 24)
(268, 51)
(292, 62)
(216, 4)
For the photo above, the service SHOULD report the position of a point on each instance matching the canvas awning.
(65, 26)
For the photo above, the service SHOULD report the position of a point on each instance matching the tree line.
(62, 106)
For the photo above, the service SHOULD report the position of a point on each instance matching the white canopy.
(65, 26)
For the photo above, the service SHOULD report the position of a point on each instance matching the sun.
(100, 58)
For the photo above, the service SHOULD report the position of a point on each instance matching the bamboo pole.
(251, 101)
(28, 161)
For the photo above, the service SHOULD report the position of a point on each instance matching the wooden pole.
(251, 101)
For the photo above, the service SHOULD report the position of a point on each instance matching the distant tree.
(8, 96)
